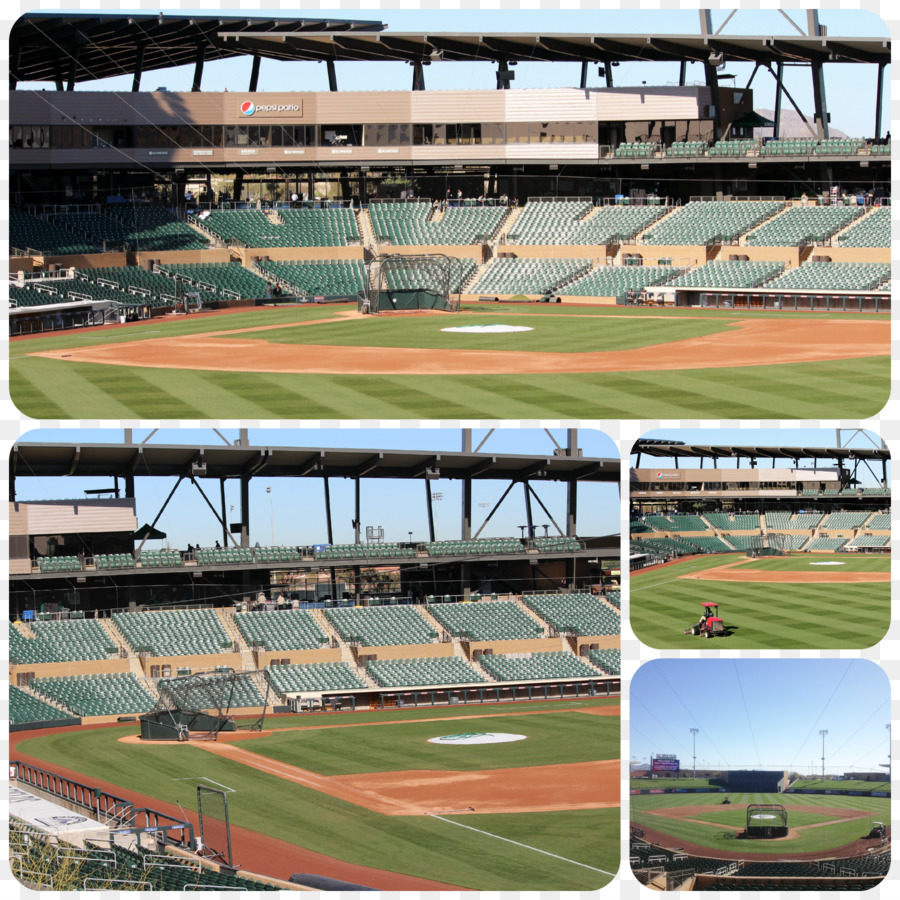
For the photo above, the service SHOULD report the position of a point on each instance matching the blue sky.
(767, 437)
(294, 513)
(763, 713)
(850, 89)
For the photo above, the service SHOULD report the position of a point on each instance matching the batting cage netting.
(215, 828)
(200, 705)
(772, 544)
(429, 281)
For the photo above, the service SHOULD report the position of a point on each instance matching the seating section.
(708, 544)
(556, 544)
(23, 708)
(741, 147)
(823, 543)
(700, 222)
(730, 274)
(845, 520)
(59, 564)
(328, 277)
(284, 629)
(113, 561)
(872, 230)
(290, 228)
(489, 620)
(276, 554)
(667, 546)
(155, 559)
(97, 695)
(870, 540)
(420, 672)
(223, 556)
(364, 551)
(94, 227)
(314, 677)
(610, 660)
(803, 224)
(27, 232)
(831, 276)
(637, 149)
(222, 279)
(62, 641)
(528, 276)
(616, 281)
(582, 613)
(806, 520)
(474, 547)
(174, 632)
(381, 626)
(151, 229)
(409, 276)
(879, 522)
(414, 223)
(613, 224)
(614, 597)
(548, 221)
(687, 148)
(780, 521)
(537, 666)
(688, 523)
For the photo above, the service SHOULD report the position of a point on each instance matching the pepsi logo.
(248, 107)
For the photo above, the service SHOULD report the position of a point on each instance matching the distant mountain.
(792, 125)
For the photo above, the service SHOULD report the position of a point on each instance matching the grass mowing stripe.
(518, 844)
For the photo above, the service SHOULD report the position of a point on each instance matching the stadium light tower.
(694, 733)
(823, 733)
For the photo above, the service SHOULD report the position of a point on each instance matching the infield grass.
(716, 826)
(423, 846)
(759, 615)
(59, 389)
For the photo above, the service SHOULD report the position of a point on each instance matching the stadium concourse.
(141, 205)
(104, 630)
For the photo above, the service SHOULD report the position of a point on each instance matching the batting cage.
(429, 281)
(766, 820)
(199, 706)
(773, 544)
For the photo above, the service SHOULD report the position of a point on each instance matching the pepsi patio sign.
(252, 108)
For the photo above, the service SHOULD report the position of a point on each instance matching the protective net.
(429, 281)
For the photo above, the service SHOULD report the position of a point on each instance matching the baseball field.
(819, 826)
(365, 797)
(577, 361)
(803, 601)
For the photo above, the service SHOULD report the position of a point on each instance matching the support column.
(328, 510)
(608, 67)
(418, 79)
(712, 82)
(356, 513)
(572, 486)
(430, 508)
(779, 71)
(198, 67)
(254, 74)
(224, 513)
(138, 68)
(332, 75)
(245, 510)
(582, 83)
(529, 520)
(879, 92)
(682, 73)
(73, 68)
(821, 109)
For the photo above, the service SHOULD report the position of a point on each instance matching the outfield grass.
(821, 838)
(55, 389)
(553, 739)
(760, 616)
(850, 562)
(416, 845)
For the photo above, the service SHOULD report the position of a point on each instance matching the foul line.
(526, 846)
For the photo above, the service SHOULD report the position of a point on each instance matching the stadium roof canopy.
(222, 461)
(676, 450)
(107, 45)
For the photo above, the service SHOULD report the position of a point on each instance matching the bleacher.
(27, 232)
(556, 544)
(845, 520)
(409, 224)
(699, 222)
(494, 620)
(60, 641)
(614, 224)
(381, 626)
(59, 564)
(637, 149)
(292, 228)
(708, 544)
(113, 561)
(581, 612)
(224, 556)
(803, 223)
(94, 227)
(422, 671)
(284, 629)
(688, 148)
(879, 522)
(730, 274)
(870, 540)
(536, 666)
(364, 551)
(740, 147)
(616, 281)
(833, 276)
(806, 520)
(97, 695)
(610, 660)
(410, 276)
(24, 708)
(314, 677)
(548, 221)
(155, 559)
(220, 277)
(528, 276)
(325, 277)
(826, 543)
(321, 227)
(666, 546)
(687, 523)
(174, 632)
(872, 230)
(153, 229)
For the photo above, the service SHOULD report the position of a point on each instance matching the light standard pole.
(694, 733)
(823, 733)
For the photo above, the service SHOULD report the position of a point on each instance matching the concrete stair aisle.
(431, 620)
(27, 689)
(367, 231)
(347, 653)
(226, 617)
(134, 661)
(25, 629)
(506, 225)
(533, 615)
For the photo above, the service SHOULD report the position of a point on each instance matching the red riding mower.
(710, 624)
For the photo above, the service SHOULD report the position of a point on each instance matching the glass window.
(492, 133)
(423, 134)
(440, 134)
